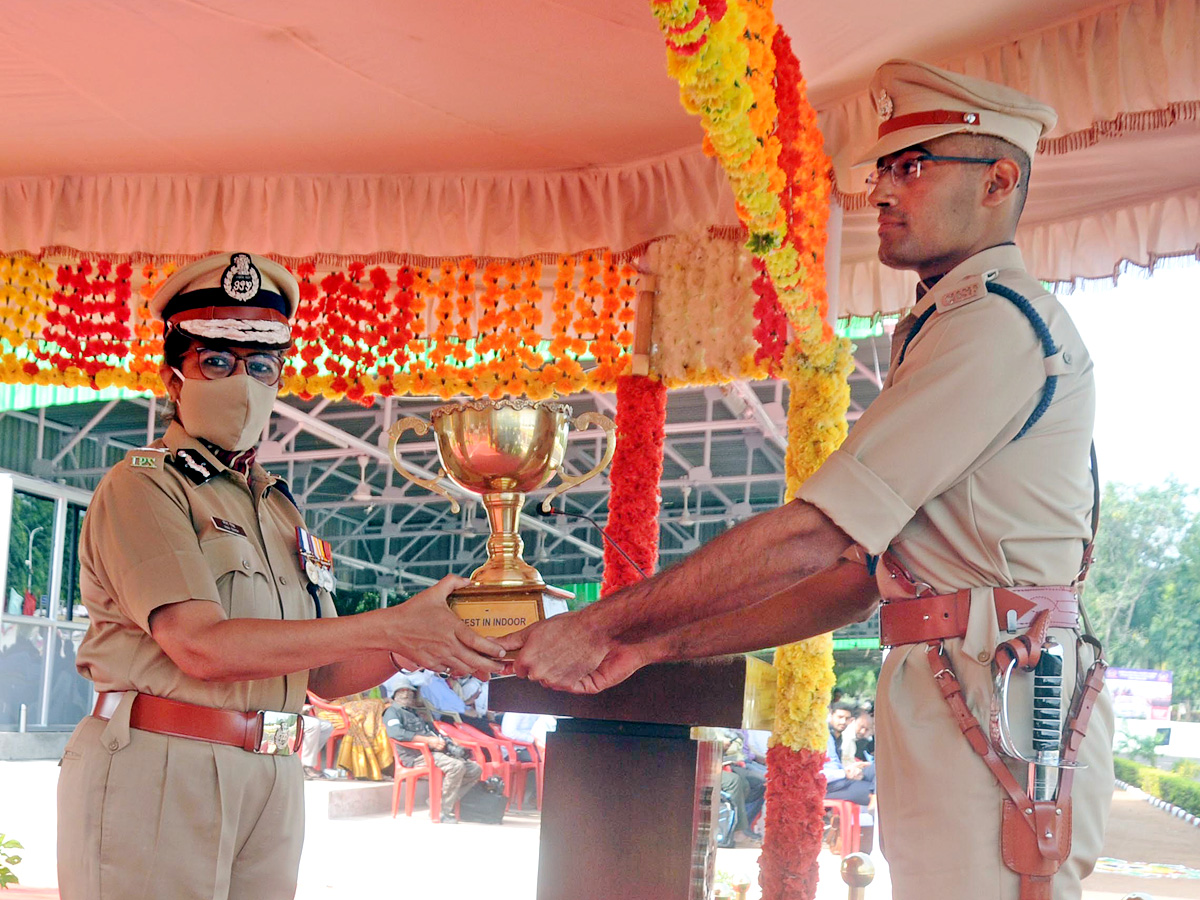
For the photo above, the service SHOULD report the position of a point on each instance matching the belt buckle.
(279, 733)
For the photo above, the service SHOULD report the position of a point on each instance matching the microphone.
(555, 511)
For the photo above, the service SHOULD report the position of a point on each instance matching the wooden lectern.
(631, 795)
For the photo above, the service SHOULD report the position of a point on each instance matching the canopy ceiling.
(451, 128)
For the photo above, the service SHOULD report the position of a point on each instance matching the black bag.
(456, 750)
(484, 802)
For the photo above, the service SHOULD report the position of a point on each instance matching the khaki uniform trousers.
(940, 805)
(144, 815)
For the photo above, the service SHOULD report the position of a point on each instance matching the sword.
(1047, 721)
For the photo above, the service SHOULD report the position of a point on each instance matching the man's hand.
(854, 770)
(621, 662)
(559, 652)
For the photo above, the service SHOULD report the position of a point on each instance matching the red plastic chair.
(405, 777)
(849, 827)
(520, 768)
(484, 750)
(338, 715)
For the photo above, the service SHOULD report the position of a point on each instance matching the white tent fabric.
(371, 130)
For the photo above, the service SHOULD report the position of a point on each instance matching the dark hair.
(841, 707)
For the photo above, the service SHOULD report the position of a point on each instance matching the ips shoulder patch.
(145, 458)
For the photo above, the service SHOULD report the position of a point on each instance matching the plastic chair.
(521, 768)
(849, 834)
(405, 777)
(486, 751)
(341, 724)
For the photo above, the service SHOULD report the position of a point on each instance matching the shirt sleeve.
(397, 727)
(965, 388)
(140, 542)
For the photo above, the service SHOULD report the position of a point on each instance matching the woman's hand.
(425, 631)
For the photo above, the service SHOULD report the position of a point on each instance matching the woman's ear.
(171, 382)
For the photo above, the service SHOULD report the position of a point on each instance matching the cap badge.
(884, 106)
(241, 279)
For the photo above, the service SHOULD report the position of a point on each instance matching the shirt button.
(112, 745)
(283, 579)
(1067, 358)
(984, 656)
(245, 563)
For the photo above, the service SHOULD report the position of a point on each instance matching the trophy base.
(495, 611)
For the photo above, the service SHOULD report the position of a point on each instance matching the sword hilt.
(1047, 719)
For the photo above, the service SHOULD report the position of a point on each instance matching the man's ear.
(1003, 181)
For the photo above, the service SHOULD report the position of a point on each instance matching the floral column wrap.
(636, 470)
(737, 72)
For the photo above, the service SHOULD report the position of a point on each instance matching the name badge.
(229, 527)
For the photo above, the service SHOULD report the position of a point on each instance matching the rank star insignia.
(883, 105)
(241, 280)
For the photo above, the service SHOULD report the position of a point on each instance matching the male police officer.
(969, 471)
(208, 603)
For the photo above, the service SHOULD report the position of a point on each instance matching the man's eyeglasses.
(907, 169)
(215, 364)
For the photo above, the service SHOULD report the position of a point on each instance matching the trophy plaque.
(501, 450)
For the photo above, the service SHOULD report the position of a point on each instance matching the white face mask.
(230, 412)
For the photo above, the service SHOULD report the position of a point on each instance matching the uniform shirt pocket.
(241, 578)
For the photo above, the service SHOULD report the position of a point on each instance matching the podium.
(631, 791)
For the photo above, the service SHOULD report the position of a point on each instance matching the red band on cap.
(229, 312)
(931, 117)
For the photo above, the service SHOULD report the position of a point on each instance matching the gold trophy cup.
(502, 449)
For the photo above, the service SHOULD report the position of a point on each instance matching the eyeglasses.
(216, 364)
(907, 169)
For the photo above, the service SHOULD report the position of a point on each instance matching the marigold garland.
(636, 470)
(737, 72)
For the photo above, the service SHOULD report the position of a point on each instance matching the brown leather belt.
(938, 616)
(263, 731)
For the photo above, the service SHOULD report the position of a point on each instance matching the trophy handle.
(420, 426)
(610, 445)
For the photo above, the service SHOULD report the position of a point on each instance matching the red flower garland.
(636, 469)
(795, 814)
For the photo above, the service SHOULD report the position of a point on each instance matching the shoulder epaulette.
(194, 466)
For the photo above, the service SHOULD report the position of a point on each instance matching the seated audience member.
(745, 786)
(754, 749)
(312, 746)
(864, 735)
(403, 723)
(853, 780)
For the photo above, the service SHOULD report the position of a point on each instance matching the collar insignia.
(193, 466)
(241, 279)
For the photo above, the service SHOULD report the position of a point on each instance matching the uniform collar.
(1002, 256)
(177, 439)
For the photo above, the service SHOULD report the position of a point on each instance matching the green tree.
(1144, 589)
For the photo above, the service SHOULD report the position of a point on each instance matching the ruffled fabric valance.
(1114, 184)
(338, 219)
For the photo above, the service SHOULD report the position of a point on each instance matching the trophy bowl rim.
(481, 405)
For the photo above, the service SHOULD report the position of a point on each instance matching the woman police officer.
(208, 604)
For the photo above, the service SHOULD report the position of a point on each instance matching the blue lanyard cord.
(1039, 326)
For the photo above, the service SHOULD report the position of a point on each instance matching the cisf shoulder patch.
(973, 289)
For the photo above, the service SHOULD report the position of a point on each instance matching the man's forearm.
(834, 597)
(758, 558)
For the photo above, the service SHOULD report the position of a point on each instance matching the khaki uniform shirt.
(145, 815)
(932, 471)
(171, 523)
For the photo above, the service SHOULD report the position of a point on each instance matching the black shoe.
(449, 818)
